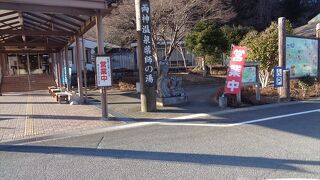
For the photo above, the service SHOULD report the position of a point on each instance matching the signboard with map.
(302, 55)
(249, 74)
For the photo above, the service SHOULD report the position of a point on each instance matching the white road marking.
(240, 123)
(190, 116)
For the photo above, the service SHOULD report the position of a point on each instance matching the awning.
(46, 25)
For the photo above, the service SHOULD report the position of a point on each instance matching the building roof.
(46, 25)
(308, 30)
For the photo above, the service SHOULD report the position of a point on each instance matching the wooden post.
(79, 70)
(84, 57)
(286, 85)
(318, 30)
(147, 94)
(100, 40)
(61, 67)
(282, 49)
(67, 67)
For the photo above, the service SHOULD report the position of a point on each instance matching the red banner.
(234, 75)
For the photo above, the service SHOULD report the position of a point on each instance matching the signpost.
(145, 56)
(104, 74)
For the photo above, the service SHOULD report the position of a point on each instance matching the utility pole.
(145, 56)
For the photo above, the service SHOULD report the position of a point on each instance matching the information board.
(249, 75)
(302, 56)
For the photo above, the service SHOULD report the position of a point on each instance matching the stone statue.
(168, 86)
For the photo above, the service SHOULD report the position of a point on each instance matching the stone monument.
(169, 90)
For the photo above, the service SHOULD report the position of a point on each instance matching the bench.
(54, 91)
(62, 97)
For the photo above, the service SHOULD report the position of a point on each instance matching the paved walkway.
(36, 114)
(127, 104)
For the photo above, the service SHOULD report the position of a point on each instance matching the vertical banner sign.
(103, 66)
(278, 76)
(234, 76)
(147, 44)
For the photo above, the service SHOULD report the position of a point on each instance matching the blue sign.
(278, 76)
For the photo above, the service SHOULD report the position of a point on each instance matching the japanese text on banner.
(235, 70)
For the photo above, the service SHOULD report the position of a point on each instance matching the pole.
(286, 85)
(79, 70)
(100, 40)
(318, 30)
(84, 57)
(67, 67)
(28, 64)
(282, 49)
(147, 94)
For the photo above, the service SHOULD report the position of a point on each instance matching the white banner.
(104, 73)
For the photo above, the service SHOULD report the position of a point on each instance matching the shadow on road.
(203, 159)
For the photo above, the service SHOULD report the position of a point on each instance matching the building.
(308, 30)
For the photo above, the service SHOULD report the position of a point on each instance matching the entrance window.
(23, 64)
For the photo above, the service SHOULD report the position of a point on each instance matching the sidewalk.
(126, 105)
(36, 114)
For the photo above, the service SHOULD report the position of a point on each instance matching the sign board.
(278, 76)
(235, 70)
(249, 75)
(149, 76)
(103, 67)
(302, 56)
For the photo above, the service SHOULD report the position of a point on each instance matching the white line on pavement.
(240, 123)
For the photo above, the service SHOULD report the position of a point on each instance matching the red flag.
(235, 70)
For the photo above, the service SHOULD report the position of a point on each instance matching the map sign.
(302, 56)
(249, 74)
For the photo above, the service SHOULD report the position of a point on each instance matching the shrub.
(305, 83)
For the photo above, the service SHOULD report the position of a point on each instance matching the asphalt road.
(272, 143)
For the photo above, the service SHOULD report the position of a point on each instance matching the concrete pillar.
(79, 69)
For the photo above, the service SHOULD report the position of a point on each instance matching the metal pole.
(282, 49)
(100, 40)
(85, 70)
(79, 70)
(67, 67)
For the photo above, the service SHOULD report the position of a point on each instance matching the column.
(84, 57)
(67, 67)
(79, 70)
(100, 39)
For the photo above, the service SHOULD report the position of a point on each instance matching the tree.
(263, 47)
(207, 40)
(171, 20)
(235, 34)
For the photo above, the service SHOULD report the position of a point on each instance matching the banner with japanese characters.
(103, 66)
(235, 70)
(149, 76)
